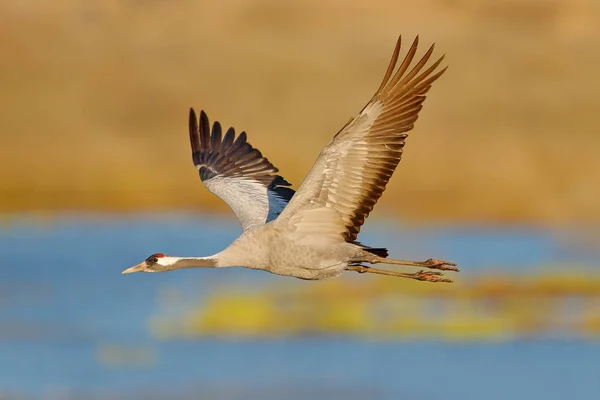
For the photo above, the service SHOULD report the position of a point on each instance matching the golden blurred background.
(95, 96)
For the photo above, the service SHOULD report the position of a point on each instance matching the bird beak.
(136, 268)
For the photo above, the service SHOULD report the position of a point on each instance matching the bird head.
(155, 263)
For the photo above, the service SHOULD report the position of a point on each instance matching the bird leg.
(420, 276)
(431, 263)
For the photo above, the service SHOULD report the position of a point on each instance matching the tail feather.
(378, 251)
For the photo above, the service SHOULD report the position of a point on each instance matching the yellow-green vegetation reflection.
(485, 307)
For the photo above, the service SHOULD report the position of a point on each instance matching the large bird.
(312, 233)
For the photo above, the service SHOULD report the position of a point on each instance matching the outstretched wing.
(238, 173)
(352, 171)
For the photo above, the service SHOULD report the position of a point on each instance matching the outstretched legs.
(431, 263)
(434, 276)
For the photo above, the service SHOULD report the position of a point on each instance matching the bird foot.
(430, 276)
(441, 265)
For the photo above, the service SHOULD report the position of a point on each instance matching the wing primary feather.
(194, 138)
(204, 131)
(391, 65)
(405, 63)
(238, 152)
(427, 83)
(242, 138)
(236, 144)
(215, 139)
(193, 122)
(228, 139)
(415, 70)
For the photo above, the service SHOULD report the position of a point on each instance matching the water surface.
(71, 326)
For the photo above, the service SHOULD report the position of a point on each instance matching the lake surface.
(71, 326)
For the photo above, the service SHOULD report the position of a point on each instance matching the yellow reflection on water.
(484, 307)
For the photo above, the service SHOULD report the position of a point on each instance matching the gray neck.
(195, 262)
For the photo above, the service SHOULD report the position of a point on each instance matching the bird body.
(275, 249)
(311, 234)
(279, 253)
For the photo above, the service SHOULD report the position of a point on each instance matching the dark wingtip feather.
(194, 139)
(204, 131)
(228, 140)
(215, 138)
(227, 155)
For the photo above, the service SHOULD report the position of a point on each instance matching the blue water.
(62, 298)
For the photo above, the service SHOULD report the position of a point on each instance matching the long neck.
(194, 262)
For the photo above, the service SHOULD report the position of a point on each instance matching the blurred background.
(500, 175)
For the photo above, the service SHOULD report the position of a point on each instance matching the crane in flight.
(312, 233)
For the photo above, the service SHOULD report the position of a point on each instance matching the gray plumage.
(311, 234)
